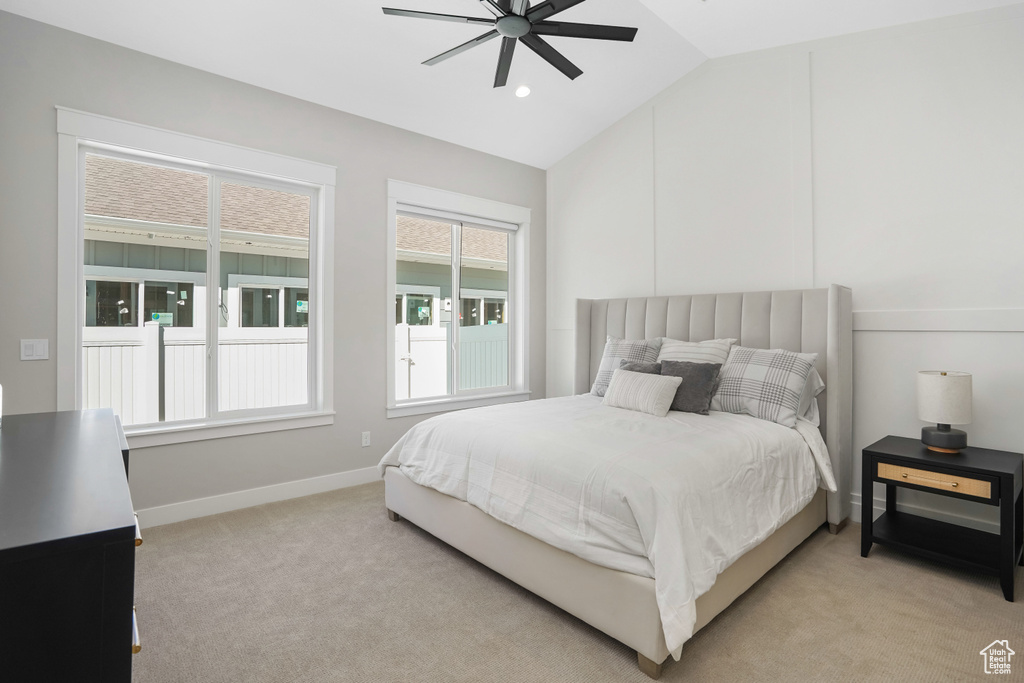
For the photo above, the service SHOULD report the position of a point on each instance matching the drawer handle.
(951, 484)
(138, 532)
(136, 642)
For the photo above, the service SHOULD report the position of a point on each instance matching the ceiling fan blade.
(518, 6)
(493, 7)
(551, 55)
(549, 8)
(508, 46)
(568, 30)
(504, 5)
(461, 48)
(439, 17)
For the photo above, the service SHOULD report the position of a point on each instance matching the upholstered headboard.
(809, 320)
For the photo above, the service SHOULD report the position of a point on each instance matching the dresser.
(67, 549)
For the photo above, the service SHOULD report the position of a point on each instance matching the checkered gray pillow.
(764, 383)
(615, 351)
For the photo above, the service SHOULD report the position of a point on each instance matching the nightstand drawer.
(977, 488)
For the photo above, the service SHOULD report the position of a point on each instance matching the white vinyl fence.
(262, 367)
(258, 368)
(483, 357)
(421, 359)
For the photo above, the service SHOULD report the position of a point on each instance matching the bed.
(617, 597)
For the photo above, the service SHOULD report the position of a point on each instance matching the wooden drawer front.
(936, 480)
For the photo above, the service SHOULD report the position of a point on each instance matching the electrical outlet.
(366, 439)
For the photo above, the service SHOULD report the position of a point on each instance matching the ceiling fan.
(515, 20)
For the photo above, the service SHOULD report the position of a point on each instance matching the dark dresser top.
(61, 477)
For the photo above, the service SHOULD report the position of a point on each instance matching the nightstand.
(978, 474)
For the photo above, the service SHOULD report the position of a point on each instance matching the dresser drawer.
(967, 486)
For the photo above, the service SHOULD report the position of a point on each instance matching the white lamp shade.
(944, 397)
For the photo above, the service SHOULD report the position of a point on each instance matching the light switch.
(35, 349)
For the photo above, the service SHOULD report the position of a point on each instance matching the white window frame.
(240, 281)
(482, 295)
(77, 131)
(474, 212)
(435, 292)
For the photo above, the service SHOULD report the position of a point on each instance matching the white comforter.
(677, 498)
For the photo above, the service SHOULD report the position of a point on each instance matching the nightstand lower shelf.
(956, 545)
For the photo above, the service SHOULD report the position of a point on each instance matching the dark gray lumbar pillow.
(640, 366)
(698, 385)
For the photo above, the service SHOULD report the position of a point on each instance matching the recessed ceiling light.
(522, 91)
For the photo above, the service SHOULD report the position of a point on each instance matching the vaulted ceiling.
(348, 55)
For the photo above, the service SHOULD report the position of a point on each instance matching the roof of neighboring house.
(157, 194)
(435, 237)
(126, 189)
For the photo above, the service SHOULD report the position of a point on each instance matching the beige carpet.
(325, 588)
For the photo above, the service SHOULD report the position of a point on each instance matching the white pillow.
(641, 391)
(710, 351)
(615, 351)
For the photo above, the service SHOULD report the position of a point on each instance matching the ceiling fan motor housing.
(513, 26)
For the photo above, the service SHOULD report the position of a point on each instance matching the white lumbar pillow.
(641, 391)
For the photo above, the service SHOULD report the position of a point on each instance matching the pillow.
(766, 384)
(649, 368)
(640, 391)
(710, 351)
(615, 350)
(808, 409)
(697, 386)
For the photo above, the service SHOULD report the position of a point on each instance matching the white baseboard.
(924, 511)
(236, 500)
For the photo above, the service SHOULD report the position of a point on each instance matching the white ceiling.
(724, 27)
(348, 55)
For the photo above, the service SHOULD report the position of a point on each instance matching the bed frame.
(623, 605)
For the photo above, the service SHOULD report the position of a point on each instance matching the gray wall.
(42, 66)
(888, 161)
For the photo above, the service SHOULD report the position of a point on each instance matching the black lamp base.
(942, 439)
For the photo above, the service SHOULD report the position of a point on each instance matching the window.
(457, 327)
(111, 304)
(296, 307)
(483, 307)
(169, 303)
(116, 304)
(259, 307)
(205, 293)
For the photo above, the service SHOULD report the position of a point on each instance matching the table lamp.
(944, 397)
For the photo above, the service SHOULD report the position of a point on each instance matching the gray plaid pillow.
(764, 383)
(615, 351)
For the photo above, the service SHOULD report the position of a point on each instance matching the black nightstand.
(978, 474)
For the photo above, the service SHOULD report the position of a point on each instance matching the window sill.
(442, 405)
(145, 436)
